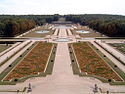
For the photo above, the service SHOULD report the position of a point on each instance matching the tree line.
(12, 25)
(111, 25)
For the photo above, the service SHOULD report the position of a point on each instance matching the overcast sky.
(62, 7)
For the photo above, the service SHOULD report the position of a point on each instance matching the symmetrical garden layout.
(35, 62)
(36, 56)
(91, 63)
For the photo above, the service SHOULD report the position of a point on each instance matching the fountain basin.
(42, 32)
(62, 40)
(82, 31)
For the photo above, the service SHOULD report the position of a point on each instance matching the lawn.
(33, 63)
(38, 35)
(35, 35)
(91, 34)
(3, 47)
(91, 63)
(119, 46)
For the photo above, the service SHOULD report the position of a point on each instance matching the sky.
(21, 7)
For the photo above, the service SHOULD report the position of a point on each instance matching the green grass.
(119, 46)
(90, 35)
(4, 47)
(47, 72)
(111, 54)
(37, 35)
(13, 55)
(74, 64)
(111, 64)
(8, 69)
(76, 70)
(51, 64)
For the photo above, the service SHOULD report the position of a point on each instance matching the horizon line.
(67, 14)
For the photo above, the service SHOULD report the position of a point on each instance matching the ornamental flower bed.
(91, 63)
(33, 63)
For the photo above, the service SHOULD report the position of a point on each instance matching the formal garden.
(91, 63)
(84, 31)
(33, 63)
(119, 46)
(3, 47)
(39, 32)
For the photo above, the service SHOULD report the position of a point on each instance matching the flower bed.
(91, 63)
(33, 63)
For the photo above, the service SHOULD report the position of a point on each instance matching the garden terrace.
(91, 33)
(91, 63)
(33, 63)
(34, 33)
(119, 46)
(3, 47)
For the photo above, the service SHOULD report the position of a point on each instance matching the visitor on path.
(107, 92)
(18, 91)
(95, 90)
(29, 88)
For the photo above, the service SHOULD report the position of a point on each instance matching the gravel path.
(62, 80)
(13, 51)
(3, 67)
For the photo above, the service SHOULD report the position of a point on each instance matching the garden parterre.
(33, 63)
(91, 63)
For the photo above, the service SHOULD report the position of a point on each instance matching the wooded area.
(111, 25)
(11, 25)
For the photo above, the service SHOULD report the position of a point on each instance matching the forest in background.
(110, 25)
(12, 25)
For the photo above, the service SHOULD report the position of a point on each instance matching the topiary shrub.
(15, 80)
(10, 65)
(104, 55)
(109, 80)
(115, 66)
(70, 52)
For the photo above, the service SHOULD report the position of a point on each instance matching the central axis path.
(62, 80)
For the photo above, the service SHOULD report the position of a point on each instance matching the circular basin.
(37, 38)
(82, 31)
(62, 40)
(41, 32)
